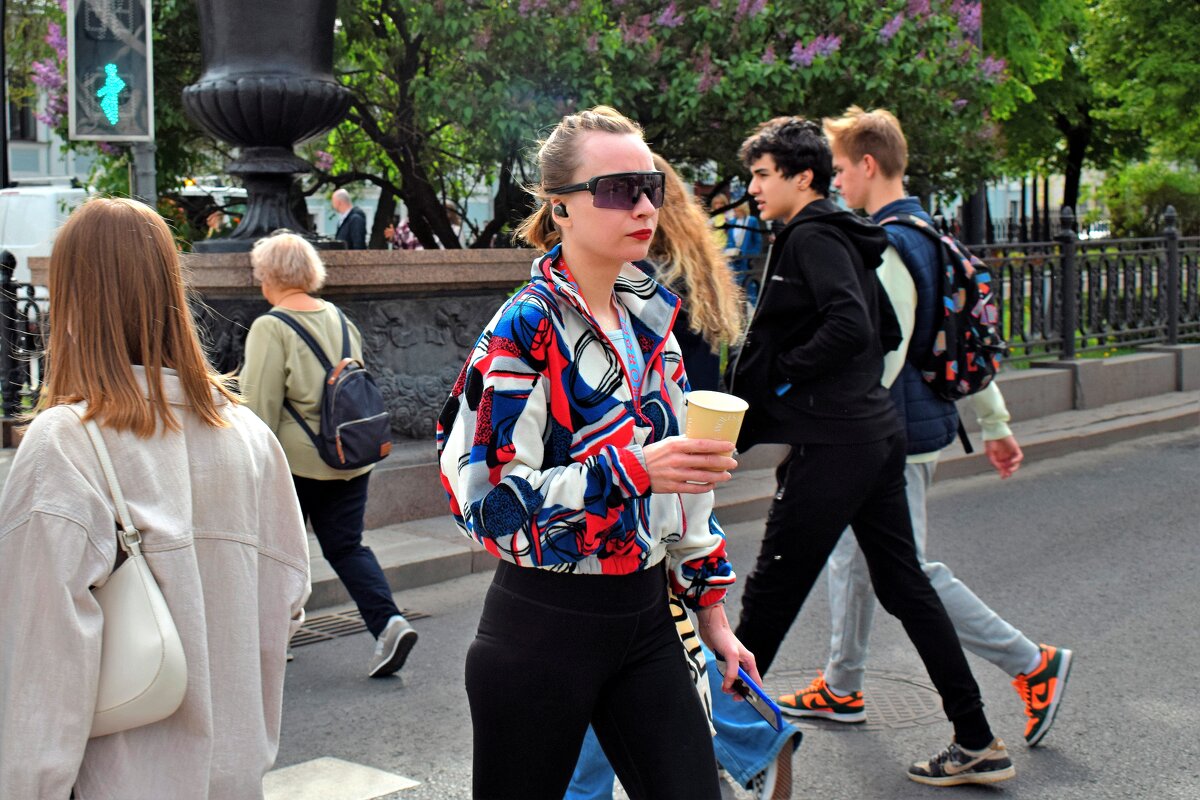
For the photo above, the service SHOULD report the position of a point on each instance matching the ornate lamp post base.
(267, 84)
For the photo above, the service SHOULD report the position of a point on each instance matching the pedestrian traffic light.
(111, 71)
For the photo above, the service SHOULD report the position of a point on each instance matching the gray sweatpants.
(852, 603)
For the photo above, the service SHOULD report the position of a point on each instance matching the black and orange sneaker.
(1042, 691)
(818, 702)
(956, 765)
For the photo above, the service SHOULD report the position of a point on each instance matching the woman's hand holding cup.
(687, 466)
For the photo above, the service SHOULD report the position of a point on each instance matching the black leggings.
(822, 489)
(555, 652)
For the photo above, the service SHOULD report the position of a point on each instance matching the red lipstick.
(643, 234)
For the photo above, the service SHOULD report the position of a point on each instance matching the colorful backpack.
(967, 347)
(355, 427)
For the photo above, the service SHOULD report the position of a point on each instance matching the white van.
(29, 218)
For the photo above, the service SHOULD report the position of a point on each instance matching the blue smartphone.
(755, 696)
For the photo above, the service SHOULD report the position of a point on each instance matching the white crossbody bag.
(143, 672)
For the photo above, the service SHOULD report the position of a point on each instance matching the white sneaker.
(392, 647)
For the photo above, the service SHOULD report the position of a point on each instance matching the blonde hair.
(288, 261)
(857, 133)
(557, 160)
(693, 262)
(117, 298)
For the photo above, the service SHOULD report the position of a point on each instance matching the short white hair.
(287, 261)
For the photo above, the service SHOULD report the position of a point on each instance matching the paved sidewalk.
(426, 551)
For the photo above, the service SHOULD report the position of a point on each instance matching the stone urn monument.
(267, 83)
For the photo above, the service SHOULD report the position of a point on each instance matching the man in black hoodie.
(810, 369)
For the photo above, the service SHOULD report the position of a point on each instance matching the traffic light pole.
(144, 174)
(4, 181)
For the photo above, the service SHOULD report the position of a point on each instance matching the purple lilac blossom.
(889, 31)
(710, 75)
(827, 45)
(749, 8)
(592, 44)
(637, 32)
(47, 75)
(670, 17)
(992, 67)
(322, 160)
(56, 39)
(803, 54)
(768, 56)
(918, 8)
(959, 104)
(970, 16)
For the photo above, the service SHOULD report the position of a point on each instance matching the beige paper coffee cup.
(714, 415)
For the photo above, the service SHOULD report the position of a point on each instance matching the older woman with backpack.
(291, 352)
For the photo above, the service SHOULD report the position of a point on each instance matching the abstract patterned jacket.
(540, 441)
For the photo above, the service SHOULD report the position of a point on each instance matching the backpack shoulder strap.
(345, 334)
(914, 222)
(307, 337)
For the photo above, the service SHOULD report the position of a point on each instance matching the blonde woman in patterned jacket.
(561, 451)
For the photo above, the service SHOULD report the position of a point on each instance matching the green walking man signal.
(110, 71)
(109, 94)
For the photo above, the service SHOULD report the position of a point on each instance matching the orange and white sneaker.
(1042, 691)
(818, 702)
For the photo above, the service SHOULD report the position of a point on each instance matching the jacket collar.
(905, 205)
(652, 307)
(172, 388)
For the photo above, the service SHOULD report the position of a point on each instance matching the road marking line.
(329, 778)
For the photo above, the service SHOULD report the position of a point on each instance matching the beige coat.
(222, 534)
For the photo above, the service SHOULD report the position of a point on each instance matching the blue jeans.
(336, 509)
(745, 745)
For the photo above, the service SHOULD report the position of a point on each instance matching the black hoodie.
(813, 358)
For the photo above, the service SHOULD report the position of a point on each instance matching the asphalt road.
(1098, 551)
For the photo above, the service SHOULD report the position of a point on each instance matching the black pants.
(335, 509)
(822, 489)
(555, 652)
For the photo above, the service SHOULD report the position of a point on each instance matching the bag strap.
(307, 337)
(345, 334)
(316, 349)
(128, 536)
(944, 240)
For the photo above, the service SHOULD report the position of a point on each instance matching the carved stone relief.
(415, 346)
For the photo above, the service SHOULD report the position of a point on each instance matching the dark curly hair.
(796, 144)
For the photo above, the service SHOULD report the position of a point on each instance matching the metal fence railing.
(1073, 296)
(24, 312)
(1058, 299)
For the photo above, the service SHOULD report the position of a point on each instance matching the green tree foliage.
(449, 95)
(1145, 56)
(1054, 118)
(452, 93)
(1138, 195)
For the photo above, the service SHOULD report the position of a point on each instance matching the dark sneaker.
(956, 765)
(392, 647)
(817, 701)
(1042, 690)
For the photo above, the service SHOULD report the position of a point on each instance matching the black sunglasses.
(620, 189)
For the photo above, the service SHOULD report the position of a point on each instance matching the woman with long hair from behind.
(685, 259)
(207, 486)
